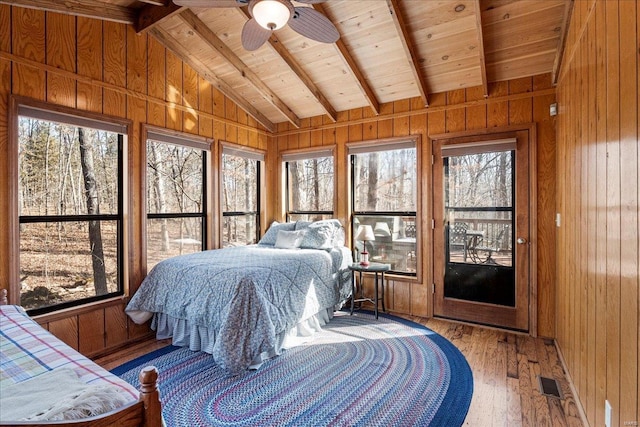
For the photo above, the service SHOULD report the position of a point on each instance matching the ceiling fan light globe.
(272, 14)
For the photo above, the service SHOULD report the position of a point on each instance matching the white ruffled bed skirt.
(199, 338)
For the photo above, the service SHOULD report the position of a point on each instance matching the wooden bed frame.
(146, 412)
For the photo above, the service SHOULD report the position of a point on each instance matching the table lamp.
(365, 232)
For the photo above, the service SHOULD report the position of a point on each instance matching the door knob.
(521, 240)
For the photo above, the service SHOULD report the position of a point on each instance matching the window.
(69, 208)
(310, 185)
(385, 196)
(176, 202)
(240, 195)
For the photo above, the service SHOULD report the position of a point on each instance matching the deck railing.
(498, 233)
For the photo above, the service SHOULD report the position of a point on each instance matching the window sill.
(80, 309)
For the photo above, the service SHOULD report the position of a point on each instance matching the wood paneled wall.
(521, 101)
(597, 269)
(105, 67)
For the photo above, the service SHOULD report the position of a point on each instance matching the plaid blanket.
(28, 350)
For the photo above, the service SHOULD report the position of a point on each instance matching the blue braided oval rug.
(357, 372)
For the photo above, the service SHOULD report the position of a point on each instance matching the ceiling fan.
(270, 15)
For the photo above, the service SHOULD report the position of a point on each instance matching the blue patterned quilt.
(245, 297)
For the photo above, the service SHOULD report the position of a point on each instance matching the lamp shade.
(272, 14)
(382, 229)
(365, 232)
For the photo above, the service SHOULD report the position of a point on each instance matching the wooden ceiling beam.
(557, 62)
(87, 8)
(180, 51)
(298, 71)
(151, 15)
(480, 38)
(351, 64)
(209, 37)
(409, 49)
(304, 77)
(154, 2)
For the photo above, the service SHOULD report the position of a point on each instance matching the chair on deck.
(484, 254)
(458, 237)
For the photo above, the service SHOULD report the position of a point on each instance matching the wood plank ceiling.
(388, 49)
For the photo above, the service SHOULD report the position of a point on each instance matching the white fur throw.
(57, 395)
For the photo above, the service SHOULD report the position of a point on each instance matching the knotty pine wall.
(598, 156)
(521, 101)
(105, 67)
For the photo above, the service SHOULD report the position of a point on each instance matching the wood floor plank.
(526, 391)
(130, 352)
(568, 403)
(543, 358)
(514, 409)
(556, 413)
(499, 376)
(479, 408)
(539, 401)
(512, 357)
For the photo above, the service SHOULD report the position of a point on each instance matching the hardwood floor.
(505, 369)
(132, 351)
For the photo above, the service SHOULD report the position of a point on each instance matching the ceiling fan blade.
(253, 35)
(314, 25)
(211, 3)
(311, 1)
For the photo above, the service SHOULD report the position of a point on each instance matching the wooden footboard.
(146, 412)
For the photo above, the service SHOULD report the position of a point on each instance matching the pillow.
(339, 237)
(322, 234)
(302, 225)
(289, 239)
(271, 235)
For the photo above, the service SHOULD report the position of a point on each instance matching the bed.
(244, 305)
(43, 381)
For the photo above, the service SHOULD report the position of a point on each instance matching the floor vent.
(550, 387)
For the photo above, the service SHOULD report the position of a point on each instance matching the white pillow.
(272, 233)
(289, 239)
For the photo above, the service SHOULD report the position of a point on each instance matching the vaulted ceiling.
(388, 49)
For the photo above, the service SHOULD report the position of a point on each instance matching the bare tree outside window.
(70, 224)
(384, 192)
(386, 181)
(480, 180)
(93, 208)
(240, 199)
(478, 195)
(155, 186)
(310, 189)
(175, 200)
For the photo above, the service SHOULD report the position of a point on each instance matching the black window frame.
(76, 118)
(379, 146)
(306, 155)
(165, 136)
(246, 153)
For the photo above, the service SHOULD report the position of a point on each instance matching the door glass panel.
(479, 227)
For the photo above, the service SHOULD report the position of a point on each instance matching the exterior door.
(481, 229)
